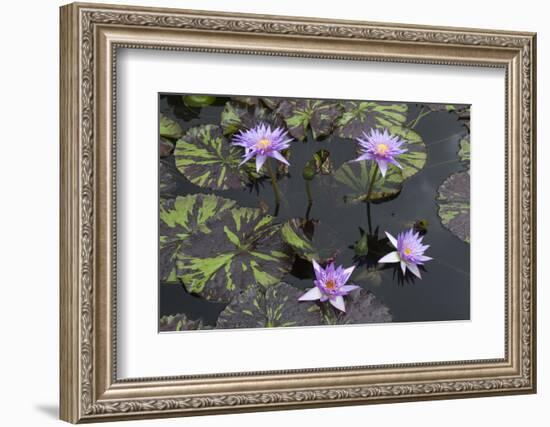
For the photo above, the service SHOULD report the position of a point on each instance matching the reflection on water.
(444, 291)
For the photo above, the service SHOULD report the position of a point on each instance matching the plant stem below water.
(373, 178)
(308, 192)
(274, 183)
(368, 218)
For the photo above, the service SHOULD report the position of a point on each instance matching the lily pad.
(311, 239)
(179, 322)
(361, 116)
(167, 179)
(169, 128)
(237, 116)
(179, 218)
(270, 102)
(464, 152)
(435, 108)
(198, 100)
(277, 306)
(323, 163)
(361, 307)
(207, 159)
(414, 159)
(165, 147)
(294, 234)
(464, 116)
(356, 176)
(303, 114)
(453, 198)
(241, 247)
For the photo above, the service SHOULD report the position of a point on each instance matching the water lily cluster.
(278, 261)
(379, 146)
(331, 283)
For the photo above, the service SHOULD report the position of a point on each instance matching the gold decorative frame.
(90, 36)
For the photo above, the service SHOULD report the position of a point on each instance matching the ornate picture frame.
(90, 37)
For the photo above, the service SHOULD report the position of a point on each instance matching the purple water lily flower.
(263, 142)
(330, 284)
(410, 251)
(381, 147)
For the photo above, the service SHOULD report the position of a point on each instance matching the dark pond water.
(444, 291)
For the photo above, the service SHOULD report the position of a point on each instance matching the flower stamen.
(382, 149)
(263, 144)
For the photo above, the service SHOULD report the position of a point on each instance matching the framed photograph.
(267, 212)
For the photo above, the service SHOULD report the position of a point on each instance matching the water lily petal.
(349, 288)
(423, 258)
(396, 163)
(260, 160)
(391, 257)
(392, 239)
(317, 268)
(364, 156)
(338, 302)
(279, 156)
(414, 270)
(404, 266)
(383, 165)
(347, 273)
(311, 295)
(247, 157)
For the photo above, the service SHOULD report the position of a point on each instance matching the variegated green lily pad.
(356, 176)
(453, 198)
(270, 102)
(179, 322)
(361, 307)
(361, 116)
(169, 128)
(179, 218)
(311, 239)
(303, 114)
(198, 100)
(435, 108)
(277, 306)
(237, 116)
(241, 247)
(294, 234)
(207, 159)
(464, 152)
(169, 131)
(414, 159)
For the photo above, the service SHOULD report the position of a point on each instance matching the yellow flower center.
(382, 148)
(330, 284)
(262, 144)
(407, 251)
